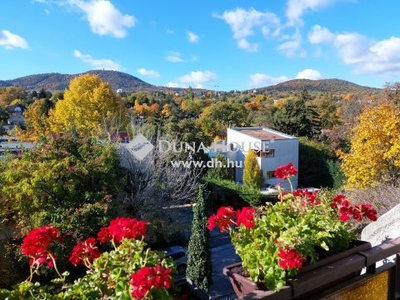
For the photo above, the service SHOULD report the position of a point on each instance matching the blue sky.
(212, 44)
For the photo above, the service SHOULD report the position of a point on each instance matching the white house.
(273, 148)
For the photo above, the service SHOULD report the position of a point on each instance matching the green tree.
(220, 169)
(199, 267)
(220, 115)
(66, 181)
(327, 111)
(89, 107)
(252, 174)
(298, 117)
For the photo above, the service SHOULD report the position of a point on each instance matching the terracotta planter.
(311, 278)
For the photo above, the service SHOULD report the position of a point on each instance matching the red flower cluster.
(310, 197)
(290, 259)
(85, 251)
(226, 215)
(357, 212)
(285, 171)
(245, 217)
(120, 228)
(223, 219)
(37, 242)
(148, 278)
(367, 210)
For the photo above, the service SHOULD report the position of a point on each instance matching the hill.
(60, 82)
(128, 83)
(334, 86)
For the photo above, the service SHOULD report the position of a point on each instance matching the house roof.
(263, 133)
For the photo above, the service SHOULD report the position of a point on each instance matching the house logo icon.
(140, 147)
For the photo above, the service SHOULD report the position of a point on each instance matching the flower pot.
(311, 277)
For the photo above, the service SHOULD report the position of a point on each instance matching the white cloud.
(382, 58)
(170, 31)
(172, 84)
(104, 18)
(192, 37)
(352, 47)
(309, 74)
(292, 45)
(97, 64)
(319, 35)
(174, 57)
(296, 8)
(198, 78)
(260, 80)
(149, 73)
(245, 45)
(366, 56)
(243, 23)
(11, 40)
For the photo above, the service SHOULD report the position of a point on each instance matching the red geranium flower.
(37, 242)
(246, 217)
(367, 210)
(223, 218)
(310, 197)
(84, 251)
(285, 171)
(148, 278)
(120, 228)
(290, 259)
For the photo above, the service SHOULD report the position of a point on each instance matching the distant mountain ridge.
(60, 82)
(129, 83)
(335, 86)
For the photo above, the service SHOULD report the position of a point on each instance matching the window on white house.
(268, 153)
(265, 153)
(270, 174)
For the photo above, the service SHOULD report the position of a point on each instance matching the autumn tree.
(374, 156)
(89, 107)
(252, 174)
(9, 94)
(36, 121)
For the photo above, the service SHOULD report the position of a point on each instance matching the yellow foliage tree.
(90, 107)
(375, 148)
(36, 122)
(252, 174)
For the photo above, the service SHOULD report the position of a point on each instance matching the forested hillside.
(128, 83)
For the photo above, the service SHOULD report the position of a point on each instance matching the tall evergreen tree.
(199, 268)
(298, 117)
(252, 174)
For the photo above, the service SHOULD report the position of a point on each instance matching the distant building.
(16, 116)
(272, 147)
